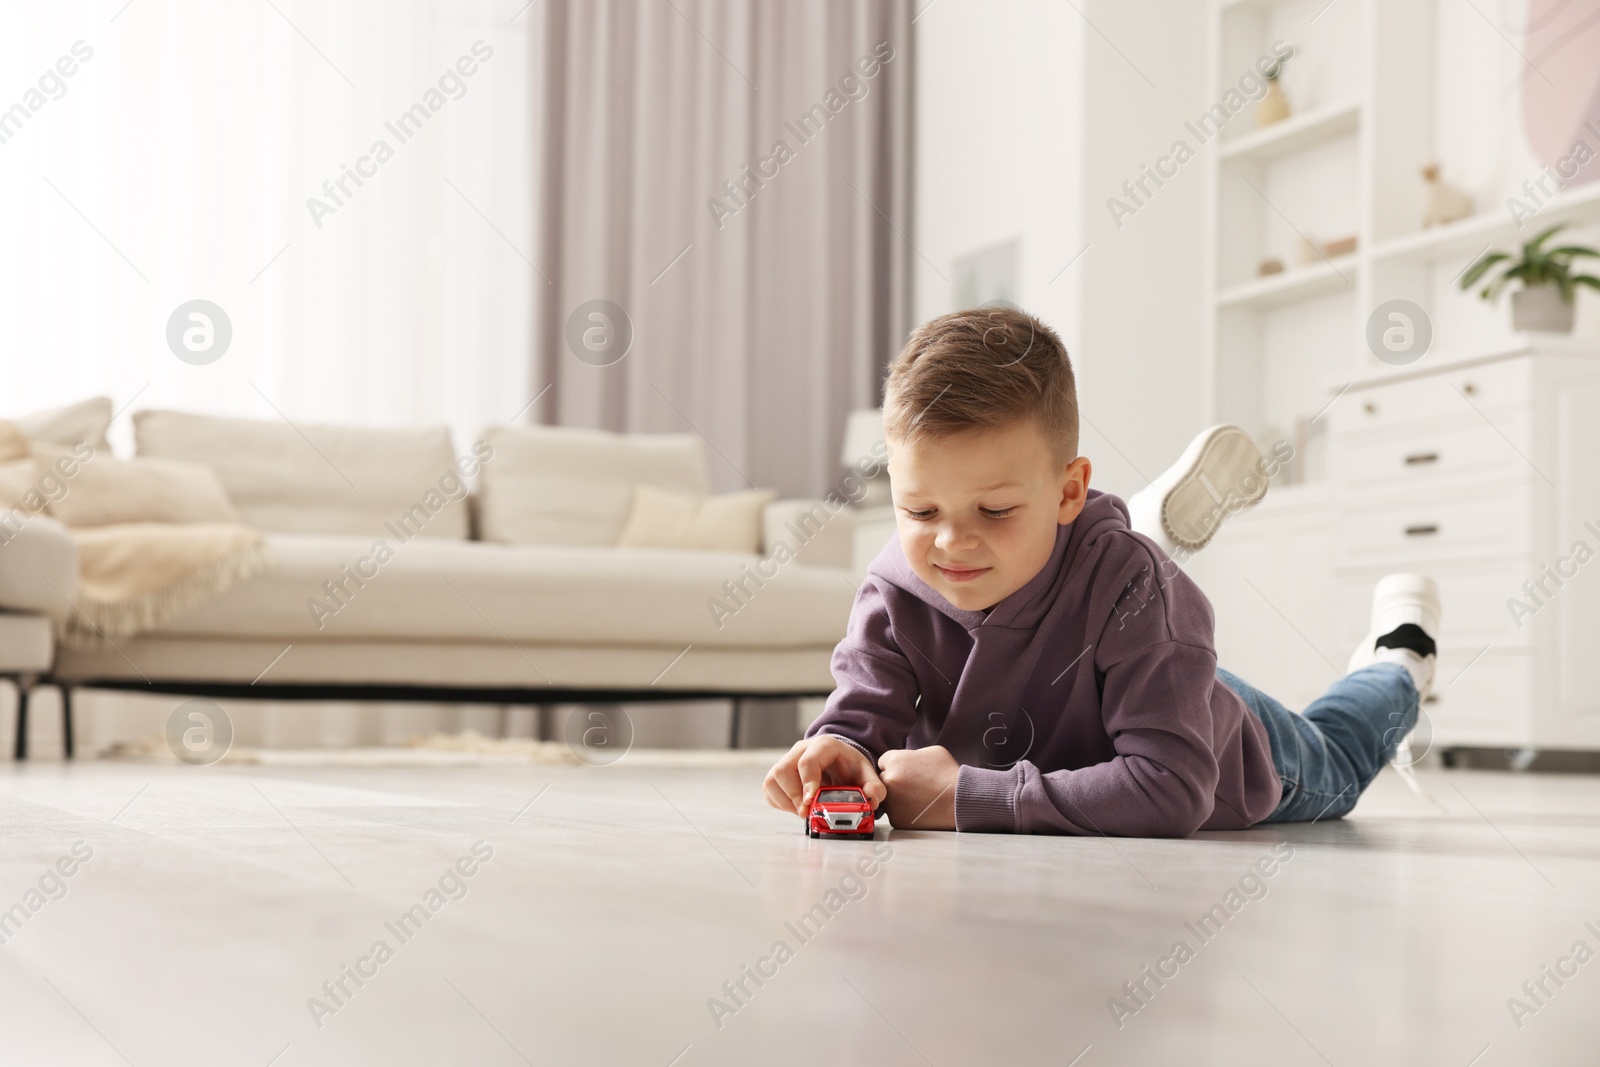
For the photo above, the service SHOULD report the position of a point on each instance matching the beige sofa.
(514, 593)
(38, 575)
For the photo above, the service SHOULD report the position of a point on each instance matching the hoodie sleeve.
(1157, 670)
(874, 703)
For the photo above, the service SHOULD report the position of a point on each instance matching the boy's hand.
(922, 787)
(817, 761)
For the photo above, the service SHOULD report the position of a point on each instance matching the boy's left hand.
(922, 787)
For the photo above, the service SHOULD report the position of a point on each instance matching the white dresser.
(1485, 474)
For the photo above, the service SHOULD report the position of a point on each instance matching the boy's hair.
(978, 369)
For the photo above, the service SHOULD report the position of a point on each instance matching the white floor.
(619, 900)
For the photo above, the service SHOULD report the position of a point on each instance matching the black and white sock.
(1409, 646)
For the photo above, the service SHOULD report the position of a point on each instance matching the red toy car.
(839, 811)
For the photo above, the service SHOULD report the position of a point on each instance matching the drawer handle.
(1370, 408)
(1422, 530)
(1416, 459)
(1431, 698)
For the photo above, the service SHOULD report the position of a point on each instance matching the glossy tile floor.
(616, 902)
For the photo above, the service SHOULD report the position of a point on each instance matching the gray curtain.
(734, 176)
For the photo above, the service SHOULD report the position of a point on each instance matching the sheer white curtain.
(176, 160)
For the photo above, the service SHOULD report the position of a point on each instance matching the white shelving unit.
(1380, 89)
(1295, 134)
(1578, 205)
(1292, 286)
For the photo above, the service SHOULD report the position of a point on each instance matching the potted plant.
(1545, 300)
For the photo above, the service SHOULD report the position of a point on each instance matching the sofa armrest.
(819, 535)
(38, 566)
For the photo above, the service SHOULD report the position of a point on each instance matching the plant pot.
(1541, 309)
(1273, 107)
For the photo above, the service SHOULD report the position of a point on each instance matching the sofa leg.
(734, 717)
(66, 720)
(24, 685)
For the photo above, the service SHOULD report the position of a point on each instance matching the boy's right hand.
(817, 761)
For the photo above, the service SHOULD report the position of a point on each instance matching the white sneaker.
(1403, 600)
(1406, 611)
(1221, 472)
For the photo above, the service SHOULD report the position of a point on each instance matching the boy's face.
(977, 514)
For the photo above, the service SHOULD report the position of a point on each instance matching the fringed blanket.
(134, 577)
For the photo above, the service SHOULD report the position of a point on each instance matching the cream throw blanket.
(135, 576)
(155, 539)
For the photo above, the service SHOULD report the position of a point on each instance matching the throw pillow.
(107, 491)
(18, 478)
(13, 442)
(661, 518)
(86, 420)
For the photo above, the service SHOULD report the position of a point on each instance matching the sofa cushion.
(86, 420)
(339, 588)
(562, 486)
(660, 518)
(311, 478)
(26, 644)
(38, 565)
(452, 664)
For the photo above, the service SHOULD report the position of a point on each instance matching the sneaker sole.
(1196, 507)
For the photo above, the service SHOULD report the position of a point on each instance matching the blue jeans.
(1333, 750)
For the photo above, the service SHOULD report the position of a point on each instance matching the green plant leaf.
(1535, 266)
(1479, 268)
(1572, 252)
(1534, 244)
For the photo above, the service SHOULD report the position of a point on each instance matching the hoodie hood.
(1102, 514)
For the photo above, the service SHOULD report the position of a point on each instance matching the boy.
(1019, 660)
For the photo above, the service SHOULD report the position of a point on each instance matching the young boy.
(1019, 660)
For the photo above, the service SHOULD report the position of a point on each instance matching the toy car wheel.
(812, 833)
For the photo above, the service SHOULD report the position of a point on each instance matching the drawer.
(1459, 446)
(1451, 392)
(1482, 701)
(1437, 525)
(1474, 601)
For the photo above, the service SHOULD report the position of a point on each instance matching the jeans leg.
(1329, 754)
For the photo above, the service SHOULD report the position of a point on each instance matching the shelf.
(1520, 344)
(1295, 134)
(1470, 236)
(1300, 283)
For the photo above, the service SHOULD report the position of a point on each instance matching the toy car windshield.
(841, 796)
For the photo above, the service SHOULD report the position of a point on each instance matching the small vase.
(1274, 107)
(1541, 309)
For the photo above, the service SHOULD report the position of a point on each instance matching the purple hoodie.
(1085, 702)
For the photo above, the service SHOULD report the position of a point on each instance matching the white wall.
(1140, 285)
(998, 112)
(1028, 118)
